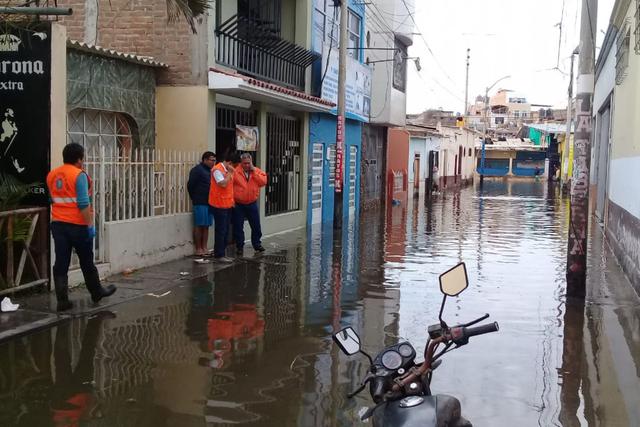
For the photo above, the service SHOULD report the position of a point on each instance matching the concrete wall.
(137, 244)
(58, 92)
(388, 105)
(183, 116)
(454, 138)
(623, 223)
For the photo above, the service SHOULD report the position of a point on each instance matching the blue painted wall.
(322, 130)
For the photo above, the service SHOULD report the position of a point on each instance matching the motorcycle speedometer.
(391, 360)
(405, 350)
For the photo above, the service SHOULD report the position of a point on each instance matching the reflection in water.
(251, 343)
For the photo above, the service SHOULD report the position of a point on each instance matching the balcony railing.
(254, 50)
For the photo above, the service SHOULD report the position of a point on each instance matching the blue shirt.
(82, 191)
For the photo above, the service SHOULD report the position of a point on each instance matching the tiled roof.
(110, 53)
(276, 88)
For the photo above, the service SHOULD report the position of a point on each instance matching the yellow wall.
(625, 126)
(58, 92)
(183, 115)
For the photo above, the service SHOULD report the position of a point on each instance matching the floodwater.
(251, 344)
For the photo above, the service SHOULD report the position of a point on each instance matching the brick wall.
(140, 27)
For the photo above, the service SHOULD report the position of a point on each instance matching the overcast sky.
(506, 37)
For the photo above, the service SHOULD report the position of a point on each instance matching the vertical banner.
(339, 150)
(25, 116)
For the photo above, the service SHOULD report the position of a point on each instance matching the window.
(96, 129)
(400, 66)
(622, 53)
(323, 24)
(499, 120)
(354, 36)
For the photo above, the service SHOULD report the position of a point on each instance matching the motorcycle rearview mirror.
(452, 283)
(349, 342)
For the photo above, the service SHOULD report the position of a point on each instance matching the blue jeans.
(222, 217)
(252, 214)
(67, 237)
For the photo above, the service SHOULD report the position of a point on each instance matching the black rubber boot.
(103, 293)
(62, 293)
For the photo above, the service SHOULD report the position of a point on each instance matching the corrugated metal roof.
(549, 127)
(110, 53)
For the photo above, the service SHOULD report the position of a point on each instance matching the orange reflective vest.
(62, 190)
(246, 191)
(220, 197)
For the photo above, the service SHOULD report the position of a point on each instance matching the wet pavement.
(250, 344)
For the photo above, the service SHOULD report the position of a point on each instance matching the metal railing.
(24, 249)
(135, 184)
(252, 49)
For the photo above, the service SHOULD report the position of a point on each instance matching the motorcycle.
(400, 387)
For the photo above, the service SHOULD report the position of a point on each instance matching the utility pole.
(579, 215)
(340, 129)
(466, 89)
(567, 139)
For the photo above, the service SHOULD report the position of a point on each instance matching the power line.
(426, 43)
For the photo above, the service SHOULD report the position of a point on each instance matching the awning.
(245, 87)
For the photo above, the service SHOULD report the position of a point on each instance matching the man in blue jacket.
(198, 186)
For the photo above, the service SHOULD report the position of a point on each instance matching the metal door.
(602, 162)
(353, 160)
(317, 177)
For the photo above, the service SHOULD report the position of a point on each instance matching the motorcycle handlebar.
(484, 329)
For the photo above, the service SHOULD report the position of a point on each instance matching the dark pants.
(252, 214)
(66, 238)
(221, 217)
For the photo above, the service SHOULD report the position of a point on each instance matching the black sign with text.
(25, 116)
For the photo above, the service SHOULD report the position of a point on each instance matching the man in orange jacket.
(247, 182)
(221, 202)
(72, 225)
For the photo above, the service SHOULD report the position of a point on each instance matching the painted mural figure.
(7, 138)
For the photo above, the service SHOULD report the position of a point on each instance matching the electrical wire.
(424, 40)
(333, 25)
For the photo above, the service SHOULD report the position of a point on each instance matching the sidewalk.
(38, 311)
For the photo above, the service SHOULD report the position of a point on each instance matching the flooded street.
(252, 343)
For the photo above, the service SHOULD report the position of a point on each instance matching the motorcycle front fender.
(435, 411)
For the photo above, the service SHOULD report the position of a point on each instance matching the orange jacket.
(62, 190)
(220, 197)
(246, 191)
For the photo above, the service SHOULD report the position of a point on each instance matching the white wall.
(149, 241)
(388, 105)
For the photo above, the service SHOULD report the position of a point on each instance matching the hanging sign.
(246, 138)
(339, 149)
(25, 117)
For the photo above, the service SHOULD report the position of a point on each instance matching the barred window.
(622, 52)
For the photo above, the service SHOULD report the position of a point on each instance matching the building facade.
(322, 125)
(616, 153)
(147, 97)
(385, 47)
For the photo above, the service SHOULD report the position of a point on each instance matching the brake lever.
(356, 391)
(473, 322)
(359, 389)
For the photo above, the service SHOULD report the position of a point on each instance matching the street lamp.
(486, 125)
